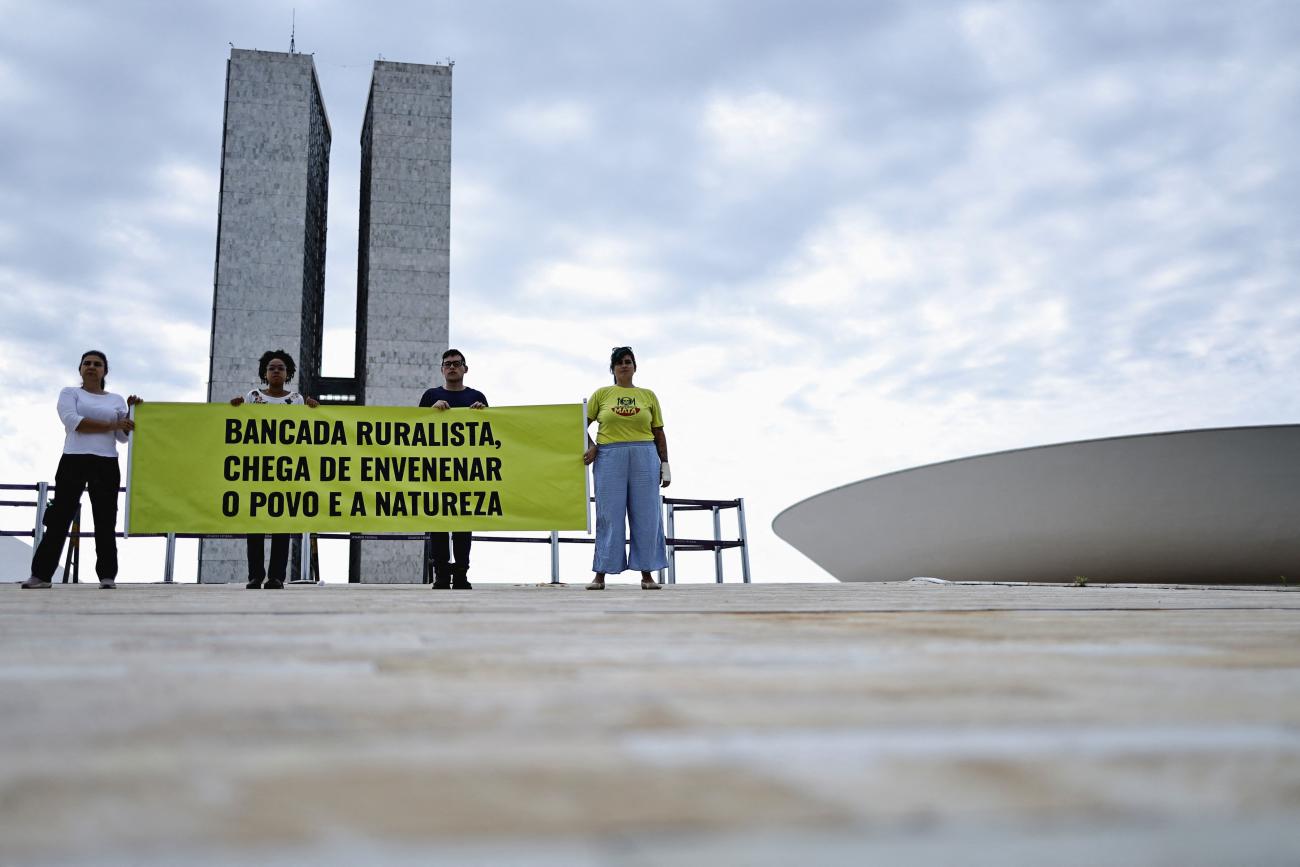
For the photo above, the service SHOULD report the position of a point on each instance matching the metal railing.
(309, 571)
(673, 505)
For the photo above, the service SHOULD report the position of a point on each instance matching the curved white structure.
(1200, 506)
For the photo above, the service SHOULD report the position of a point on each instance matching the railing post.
(672, 549)
(169, 566)
(42, 496)
(426, 569)
(72, 560)
(744, 539)
(663, 573)
(304, 559)
(717, 537)
(555, 556)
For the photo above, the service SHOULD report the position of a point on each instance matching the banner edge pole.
(130, 464)
(586, 476)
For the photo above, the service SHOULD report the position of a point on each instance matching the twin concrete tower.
(270, 270)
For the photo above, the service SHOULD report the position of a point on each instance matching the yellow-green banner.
(216, 468)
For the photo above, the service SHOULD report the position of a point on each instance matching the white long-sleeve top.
(75, 404)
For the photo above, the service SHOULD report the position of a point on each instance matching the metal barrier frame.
(308, 563)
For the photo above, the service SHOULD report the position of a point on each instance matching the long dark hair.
(102, 356)
(617, 354)
(267, 357)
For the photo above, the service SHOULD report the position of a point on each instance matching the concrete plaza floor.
(773, 724)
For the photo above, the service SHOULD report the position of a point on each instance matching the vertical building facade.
(270, 261)
(403, 262)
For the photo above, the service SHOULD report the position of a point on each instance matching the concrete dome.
(1200, 506)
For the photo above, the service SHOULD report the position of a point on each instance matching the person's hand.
(478, 404)
(311, 401)
(589, 456)
(442, 404)
(133, 400)
(665, 475)
(236, 401)
(125, 424)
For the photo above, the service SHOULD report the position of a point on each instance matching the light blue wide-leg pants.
(627, 492)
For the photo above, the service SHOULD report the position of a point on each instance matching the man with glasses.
(453, 394)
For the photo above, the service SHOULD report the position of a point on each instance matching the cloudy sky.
(844, 237)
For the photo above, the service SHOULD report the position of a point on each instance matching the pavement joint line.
(669, 612)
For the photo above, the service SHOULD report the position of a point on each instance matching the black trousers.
(442, 551)
(76, 473)
(279, 556)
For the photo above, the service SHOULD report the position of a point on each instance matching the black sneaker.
(273, 585)
(461, 585)
(444, 584)
(253, 585)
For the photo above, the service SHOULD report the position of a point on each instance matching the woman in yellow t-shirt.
(631, 464)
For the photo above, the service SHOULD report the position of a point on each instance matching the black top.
(463, 398)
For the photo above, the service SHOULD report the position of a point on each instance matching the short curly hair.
(267, 357)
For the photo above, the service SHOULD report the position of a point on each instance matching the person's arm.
(131, 401)
(661, 443)
(589, 456)
(310, 401)
(119, 434)
(74, 421)
(89, 425)
(661, 446)
(68, 411)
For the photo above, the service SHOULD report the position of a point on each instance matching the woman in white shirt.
(275, 368)
(95, 421)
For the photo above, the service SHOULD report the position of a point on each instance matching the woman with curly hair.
(274, 369)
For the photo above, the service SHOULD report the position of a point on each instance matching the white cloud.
(762, 132)
(1005, 38)
(595, 269)
(851, 257)
(124, 235)
(339, 352)
(186, 194)
(15, 89)
(551, 123)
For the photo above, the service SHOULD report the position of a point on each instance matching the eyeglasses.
(449, 365)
